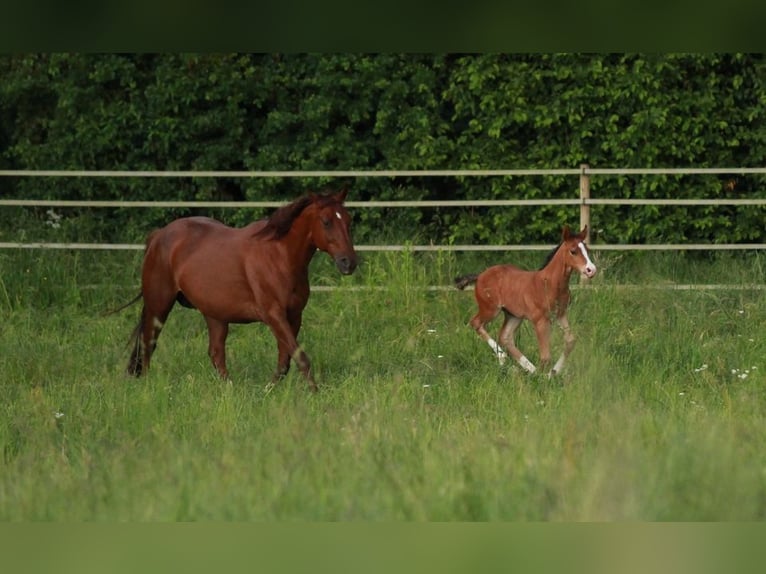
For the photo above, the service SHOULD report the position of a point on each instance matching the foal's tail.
(466, 280)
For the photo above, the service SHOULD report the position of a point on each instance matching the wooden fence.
(584, 201)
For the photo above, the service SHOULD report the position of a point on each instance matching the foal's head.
(576, 254)
(331, 230)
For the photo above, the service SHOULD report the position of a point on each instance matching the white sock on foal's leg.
(527, 364)
(499, 353)
(559, 365)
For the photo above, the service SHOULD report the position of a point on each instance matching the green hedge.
(388, 111)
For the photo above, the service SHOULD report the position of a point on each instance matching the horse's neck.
(556, 274)
(299, 245)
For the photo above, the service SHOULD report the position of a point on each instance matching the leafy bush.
(391, 111)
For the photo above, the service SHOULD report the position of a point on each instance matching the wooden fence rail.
(585, 201)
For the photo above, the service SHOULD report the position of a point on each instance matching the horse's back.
(502, 272)
(169, 246)
(506, 286)
(192, 234)
(189, 229)
(203, 263)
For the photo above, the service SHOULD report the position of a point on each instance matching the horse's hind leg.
(145, 336)
(478, 322)
(148, 330)
(507, 333)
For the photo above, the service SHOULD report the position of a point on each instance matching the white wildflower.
(54, 219)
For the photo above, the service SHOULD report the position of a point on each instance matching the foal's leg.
(217, 332)
(478, 321)
(569, 342)
(507, 333)
(543, 332)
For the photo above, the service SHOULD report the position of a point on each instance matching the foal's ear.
(565, 234)
(341, 195)
(583, 234)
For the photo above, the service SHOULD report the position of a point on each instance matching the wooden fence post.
(584, 208)
(584, 194)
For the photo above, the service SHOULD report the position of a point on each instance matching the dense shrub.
(388, 111)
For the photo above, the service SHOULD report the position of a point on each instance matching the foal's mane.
(280, 222)
(550, 256)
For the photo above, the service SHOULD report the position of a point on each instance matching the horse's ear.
(583, 234)
(565, 234)
(341, 195)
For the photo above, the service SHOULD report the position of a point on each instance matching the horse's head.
(576, 252)
(331, 231)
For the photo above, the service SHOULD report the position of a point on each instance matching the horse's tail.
(125, 306)
(136, 361)
(466, 280)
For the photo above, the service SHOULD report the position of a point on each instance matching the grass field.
(659, 415)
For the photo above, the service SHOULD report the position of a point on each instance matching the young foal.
(256, 273)
(533, 295)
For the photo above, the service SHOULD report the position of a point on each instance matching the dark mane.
(280, 222)
(550, 256)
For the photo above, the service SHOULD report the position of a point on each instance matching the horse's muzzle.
(345, 265)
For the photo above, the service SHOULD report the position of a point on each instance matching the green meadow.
(658, 415)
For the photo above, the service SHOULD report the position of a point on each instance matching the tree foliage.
(390, 111)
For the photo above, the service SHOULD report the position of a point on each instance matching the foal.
(533, 295)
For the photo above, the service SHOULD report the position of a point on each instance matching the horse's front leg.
(285, 330)
(507, 334)
(569, 342)
(217, 332)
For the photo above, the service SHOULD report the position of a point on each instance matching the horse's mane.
(280, 222)
(550, 255)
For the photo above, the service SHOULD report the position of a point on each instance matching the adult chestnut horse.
(255, 273)
(532, 295)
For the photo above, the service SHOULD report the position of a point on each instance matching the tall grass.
(658, 414)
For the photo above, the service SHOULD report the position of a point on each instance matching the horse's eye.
(326, 222)
(573, 251)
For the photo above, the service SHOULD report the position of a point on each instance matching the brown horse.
(255, 273)
(533, 295)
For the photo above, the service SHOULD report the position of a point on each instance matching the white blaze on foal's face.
(590, 269)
